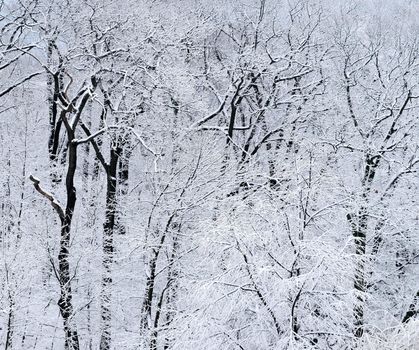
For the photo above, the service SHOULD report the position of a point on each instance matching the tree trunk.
(359, 225)
(359, 235)
(108, 248)
(65, 302)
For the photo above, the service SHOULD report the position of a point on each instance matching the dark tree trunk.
(55, 86)
(359, 223)
(108, 247)
(150, 284)
(109, 225)
(359, 228)
(65, 302)
(10, 321)
(413, 310)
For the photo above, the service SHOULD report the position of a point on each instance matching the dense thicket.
(209, 174)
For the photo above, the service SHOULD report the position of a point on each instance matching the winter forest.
(209, 174)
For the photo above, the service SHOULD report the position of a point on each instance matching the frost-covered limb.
(55, 204)
(20, 82)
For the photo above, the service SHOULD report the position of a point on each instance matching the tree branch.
(10, 88)
(48, 196)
